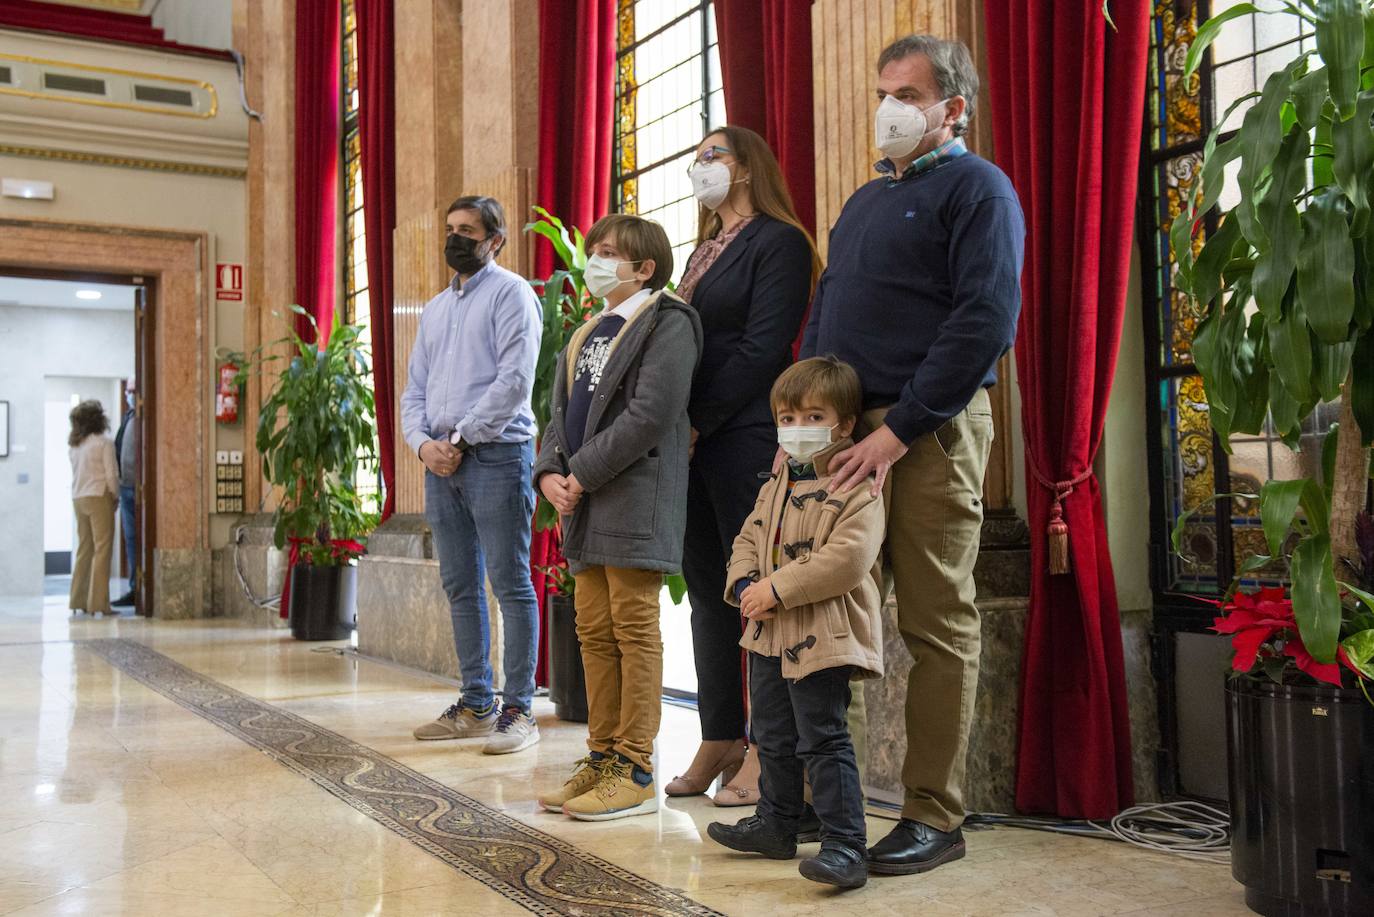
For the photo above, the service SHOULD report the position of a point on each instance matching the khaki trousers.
(622, 653)
(94, 538)
(934, 498)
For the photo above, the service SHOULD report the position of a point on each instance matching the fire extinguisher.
(227, 394)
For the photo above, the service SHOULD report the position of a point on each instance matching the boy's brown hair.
(638, 240)
(826, 379)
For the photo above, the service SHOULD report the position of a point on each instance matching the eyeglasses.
(710, 154)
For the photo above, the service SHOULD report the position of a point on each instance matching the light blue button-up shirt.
(472, 368)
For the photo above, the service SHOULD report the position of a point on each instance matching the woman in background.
(95, 491)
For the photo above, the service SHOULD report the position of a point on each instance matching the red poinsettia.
(1261, 624)
(346, 549)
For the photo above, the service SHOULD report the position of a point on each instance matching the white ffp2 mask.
(899, 128)
(711, 183)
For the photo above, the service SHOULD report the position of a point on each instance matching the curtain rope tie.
(1057, 532)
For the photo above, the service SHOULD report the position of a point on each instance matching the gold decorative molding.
(124, 162)
(123, 6)
(106, 103)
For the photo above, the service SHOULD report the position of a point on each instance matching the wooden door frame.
(145, 510)
(173, 267)
(145, 521)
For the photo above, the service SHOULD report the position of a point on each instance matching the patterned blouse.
(705, 255)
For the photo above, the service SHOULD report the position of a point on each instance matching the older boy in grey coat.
(613, 462)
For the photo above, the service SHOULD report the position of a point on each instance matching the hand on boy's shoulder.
(871, 456)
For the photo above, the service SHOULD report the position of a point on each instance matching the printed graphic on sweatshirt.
(592, 361)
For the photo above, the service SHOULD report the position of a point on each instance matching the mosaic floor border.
(538, 871)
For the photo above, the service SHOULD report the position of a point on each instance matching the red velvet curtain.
(576, 114)
(765, 64)
(1067, 104)
(317, 159)
(576, 134)
(318, 119)
(377, 144)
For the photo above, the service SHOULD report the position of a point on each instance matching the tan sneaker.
(458, 722)
(615, 795)
(586, 773)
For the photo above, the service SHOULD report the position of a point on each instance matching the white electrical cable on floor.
(1185, 828)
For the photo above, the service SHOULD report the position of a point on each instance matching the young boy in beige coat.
(805, 572)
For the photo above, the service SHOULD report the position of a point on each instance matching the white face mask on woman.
(602, 275)
(804, 442)
(711, 183)
(899, 128)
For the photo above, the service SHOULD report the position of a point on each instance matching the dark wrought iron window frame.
(347, 133)
(1175, 611)
(371, 473)
(702, 8)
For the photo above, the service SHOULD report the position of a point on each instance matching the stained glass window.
(1188, 464)
(356, 304)
(668, 94)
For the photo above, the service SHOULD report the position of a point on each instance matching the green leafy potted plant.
(1285, 294)
(567, 306)
(314, 428)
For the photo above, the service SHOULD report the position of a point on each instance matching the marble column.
(265, 31)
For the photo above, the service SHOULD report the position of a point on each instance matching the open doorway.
(69, 338)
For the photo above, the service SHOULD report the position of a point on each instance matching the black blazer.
(752, 303)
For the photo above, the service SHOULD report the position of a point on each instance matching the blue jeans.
(126, 521)
(480, 516)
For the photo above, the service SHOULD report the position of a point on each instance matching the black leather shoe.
(842, 867)
(125, 600)
(809, 831)
(754, 835)
(914, 847)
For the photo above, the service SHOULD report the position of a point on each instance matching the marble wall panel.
(266, 32)
(182, 583)
(264, 569)
(990, 783)
(403, 616)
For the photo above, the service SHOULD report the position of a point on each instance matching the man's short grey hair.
(953, 64)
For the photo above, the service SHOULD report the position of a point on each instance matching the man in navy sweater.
(921, 296)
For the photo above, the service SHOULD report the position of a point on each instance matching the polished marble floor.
(118, 795)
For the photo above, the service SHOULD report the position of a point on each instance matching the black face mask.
(461, 254)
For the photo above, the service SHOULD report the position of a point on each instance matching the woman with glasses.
(749, 279)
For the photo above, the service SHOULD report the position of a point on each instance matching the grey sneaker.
(515, 731)
(458, 722)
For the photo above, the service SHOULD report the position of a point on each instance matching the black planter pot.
(1302, 798)
(324, 601)
(567, 679)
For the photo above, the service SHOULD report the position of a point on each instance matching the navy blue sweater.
(922, 290)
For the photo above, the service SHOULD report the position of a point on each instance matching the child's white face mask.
(804, 442)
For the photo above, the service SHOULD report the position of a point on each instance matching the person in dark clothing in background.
(921, 297)
(749, 279)
(126, 456)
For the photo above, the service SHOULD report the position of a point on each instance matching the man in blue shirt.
(466, 413)
(921, 296)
